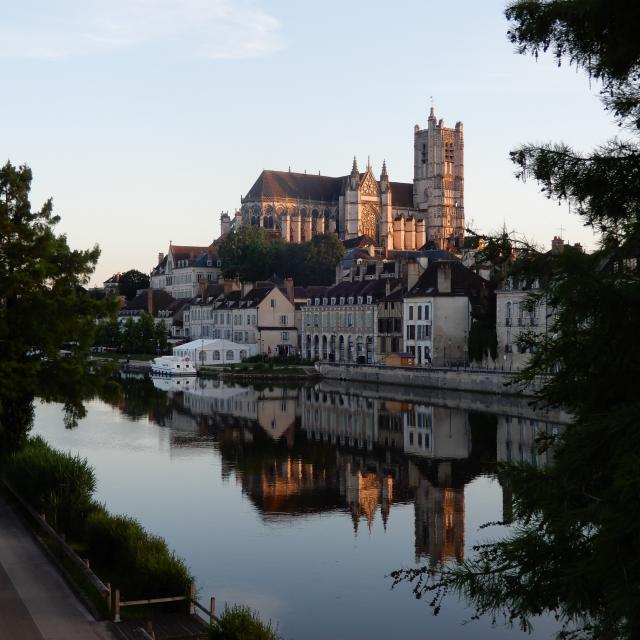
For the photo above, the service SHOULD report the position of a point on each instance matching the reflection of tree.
(139, 398)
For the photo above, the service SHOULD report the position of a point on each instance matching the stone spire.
(384, 175)
(432, 115)
(354, 169)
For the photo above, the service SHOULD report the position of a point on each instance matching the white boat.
(173, 366)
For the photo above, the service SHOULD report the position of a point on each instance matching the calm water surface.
(300, 501)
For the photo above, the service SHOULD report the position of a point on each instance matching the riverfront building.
(437, 313)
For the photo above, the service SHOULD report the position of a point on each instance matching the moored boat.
(173, 366)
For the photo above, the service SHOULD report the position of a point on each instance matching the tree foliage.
(250, 254)
(43, 304)
(131, 282)
(141, 335)
(574, 550)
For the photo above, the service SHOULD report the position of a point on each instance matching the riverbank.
(452, 379)
(260, 372)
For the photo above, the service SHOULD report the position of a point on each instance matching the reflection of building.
(439, 518)
(312, 450)
(347, 419)
(274, 410)
(364, 491)
(436, 432)
(517, 440)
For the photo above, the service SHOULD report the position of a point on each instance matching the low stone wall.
(477, 380)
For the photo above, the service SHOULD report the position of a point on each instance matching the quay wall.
(477, 380)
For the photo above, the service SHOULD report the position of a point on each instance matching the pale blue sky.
(145, 118)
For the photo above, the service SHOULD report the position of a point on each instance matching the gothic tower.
(438, 181)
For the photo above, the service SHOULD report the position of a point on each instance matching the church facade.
(397, 216)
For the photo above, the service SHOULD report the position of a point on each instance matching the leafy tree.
(131, 282)
(43, 304)
(575, 549)
(245, 253)
(483, 341)
(250, 254)
(324, 253)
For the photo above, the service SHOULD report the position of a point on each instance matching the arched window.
(215, 356)
(508, 310)
(229, 355)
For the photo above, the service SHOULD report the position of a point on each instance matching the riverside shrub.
(58, 484)
(241, 623)
(61, 486)
(141, 562)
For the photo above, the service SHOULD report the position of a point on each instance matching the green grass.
(145, 357)
(242, 623)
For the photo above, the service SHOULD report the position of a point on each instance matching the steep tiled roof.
(402, 194)
(161, 301)
(463, 281)
(303, 186)
(357, 242)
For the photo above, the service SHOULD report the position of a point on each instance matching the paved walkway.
(35, 602)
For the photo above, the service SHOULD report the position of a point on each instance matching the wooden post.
(212, 613)
(108, 597)
(192, 597)
(116, 606)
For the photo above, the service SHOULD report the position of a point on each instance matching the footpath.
(35, 602)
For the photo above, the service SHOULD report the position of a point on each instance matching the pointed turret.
(354, 169)
(355, 175)
(384, 177)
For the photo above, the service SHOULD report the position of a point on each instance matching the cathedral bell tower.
(438, 181)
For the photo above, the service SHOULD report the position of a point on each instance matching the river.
(299, 501)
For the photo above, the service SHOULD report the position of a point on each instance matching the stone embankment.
(450, 379)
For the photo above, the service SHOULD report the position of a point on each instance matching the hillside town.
(409, 288)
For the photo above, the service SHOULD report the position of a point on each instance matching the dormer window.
(369, 299)
(219, 263)
(325, 301)
(341, 299)
(209, 262)
(317, 302)
(359, 299)
(333, 300)
(309, 303)
(350, 299)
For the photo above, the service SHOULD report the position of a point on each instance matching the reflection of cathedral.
(439, 519)
(318, 449)
(396, 215)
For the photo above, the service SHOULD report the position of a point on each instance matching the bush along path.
(60, 487)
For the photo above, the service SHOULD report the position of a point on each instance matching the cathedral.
(397, 216)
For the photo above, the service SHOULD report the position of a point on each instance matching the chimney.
(245, 287)
(557, 245)
(290, 290)
(413, 273)
(202, 286)
(444, 277)
(160, 257)
(228, 286)
(150, 301)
